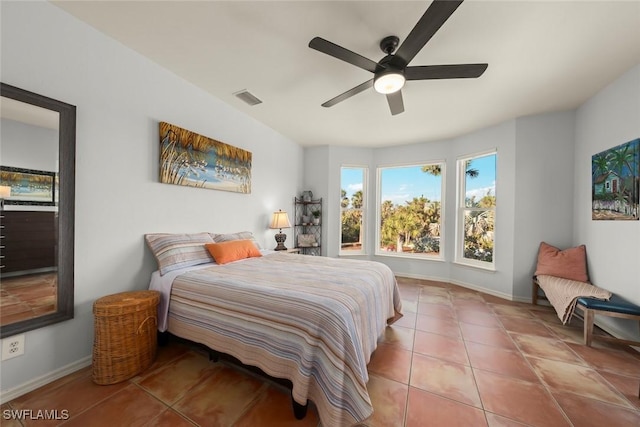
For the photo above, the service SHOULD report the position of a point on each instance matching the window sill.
(412, 257)
(491, 268)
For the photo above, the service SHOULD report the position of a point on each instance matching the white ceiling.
(543, 56)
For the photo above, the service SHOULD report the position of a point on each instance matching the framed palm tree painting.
(615, 177)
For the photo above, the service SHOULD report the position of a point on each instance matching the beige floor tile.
(436, 310)
(589, 412)
(512, 310)
(428, 409)
(450, 380)
(488, 335)
(272, 408)
(129, 407)
(398, 336)
(438, 325)
(495, 420)
(222, 397)
(391, 362)
(74, 396)
(169, 418)
(629, 387)
(610, 360)
(518, 400)
(389, 399)
(502, 361)
(440, 346)
(576, 379)
(522, 326)
(176, 378)
(546, 348)
(478, 318)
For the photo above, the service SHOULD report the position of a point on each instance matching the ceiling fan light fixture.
(388, 81)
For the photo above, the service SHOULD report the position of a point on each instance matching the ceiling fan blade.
(348, 94)
(395, 102)
(435, 16)
(429, 72)
(343, 54)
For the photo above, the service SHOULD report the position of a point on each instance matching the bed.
(314, 321)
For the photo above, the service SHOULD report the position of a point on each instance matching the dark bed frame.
(299, 410)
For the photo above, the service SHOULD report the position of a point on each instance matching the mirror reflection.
(28, 184)
(37, 202)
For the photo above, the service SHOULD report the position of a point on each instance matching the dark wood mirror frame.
(66, 209)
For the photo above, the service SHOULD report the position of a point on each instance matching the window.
(352, 210)
(476, 210)
(410, 210)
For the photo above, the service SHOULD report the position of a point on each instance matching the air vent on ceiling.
(248, 97)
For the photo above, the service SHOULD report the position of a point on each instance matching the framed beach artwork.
(615, 188)
(29, 186)
(193, 160)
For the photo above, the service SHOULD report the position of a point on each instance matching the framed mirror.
(37, 202)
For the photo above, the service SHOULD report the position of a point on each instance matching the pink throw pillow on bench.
(569, 263)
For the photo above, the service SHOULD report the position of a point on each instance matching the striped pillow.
(242, 235)
(174, 251)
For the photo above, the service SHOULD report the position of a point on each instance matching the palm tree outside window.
(476, 210)
(410, 210)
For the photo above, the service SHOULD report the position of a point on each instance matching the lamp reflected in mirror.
(5, 192)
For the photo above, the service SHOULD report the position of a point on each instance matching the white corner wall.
(120, 98)
(610, 118)
(544, 191)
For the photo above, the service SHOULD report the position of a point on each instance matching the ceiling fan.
(391, 72)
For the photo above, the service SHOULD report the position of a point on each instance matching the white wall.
(28, 146)
(610, 118)
(544, 191)
(120, 98)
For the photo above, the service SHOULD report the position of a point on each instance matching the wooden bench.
(614, 307)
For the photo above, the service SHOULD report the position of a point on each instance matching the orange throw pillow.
(234, 250)
(568, 264)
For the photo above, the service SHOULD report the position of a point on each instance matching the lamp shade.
(5, 191)
(280, 219)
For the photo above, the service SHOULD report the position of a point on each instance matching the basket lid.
(126, 302)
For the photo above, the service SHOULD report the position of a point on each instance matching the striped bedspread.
(312, 320)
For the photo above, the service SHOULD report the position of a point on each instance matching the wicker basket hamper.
(125, 341)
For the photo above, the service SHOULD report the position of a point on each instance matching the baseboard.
(7, 395)
(465, 285)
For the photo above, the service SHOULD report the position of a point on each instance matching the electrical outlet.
(13, 347)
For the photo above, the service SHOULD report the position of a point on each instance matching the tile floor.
(457, 358)
(25, 297)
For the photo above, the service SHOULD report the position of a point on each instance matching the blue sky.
(400, 184)
(405, 183)
(486, 180)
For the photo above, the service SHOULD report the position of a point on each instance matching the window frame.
(378, 232)
(461, 209)
(363, 210)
